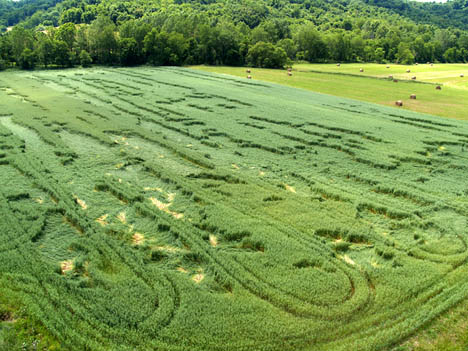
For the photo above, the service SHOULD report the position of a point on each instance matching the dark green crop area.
(171, 209)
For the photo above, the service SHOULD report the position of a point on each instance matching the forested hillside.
(257, 33)
(453, 13)
(12, 12)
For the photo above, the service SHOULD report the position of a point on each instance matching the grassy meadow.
(437, 73)
(373, 84)
(174, 209)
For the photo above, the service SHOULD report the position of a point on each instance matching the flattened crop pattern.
(172, 209)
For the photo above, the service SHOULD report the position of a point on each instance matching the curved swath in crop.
(159, 284)
(265, 290)
(279, 297)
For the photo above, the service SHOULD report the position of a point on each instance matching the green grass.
(447, 74)
(172, 209)
(347, 81)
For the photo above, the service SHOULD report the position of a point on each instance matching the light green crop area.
(172, 209)
(374, 85)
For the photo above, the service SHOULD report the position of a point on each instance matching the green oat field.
(173, 209)
(373, 84)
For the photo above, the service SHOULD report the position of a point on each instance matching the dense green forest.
(453, 13)
(266, 33)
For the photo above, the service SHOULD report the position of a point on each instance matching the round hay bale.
(413, 77)
(361, 70)
(438, 87)
(462, 75)
(428, 63)
(249, 77)
(338, 64)
(432, 65)
(289, 69)
(248, 71)
(408, 71)
(413, 96)
(399, 103)
(395, 81)
(390, 77)
(388, 66)
(290, 74)
(417, 63)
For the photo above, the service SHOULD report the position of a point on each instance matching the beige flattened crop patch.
(168, 248)
(348, 260)
(197, 278)
(102, 220)
(66, 266)
(213, 240)
(165, 207)
(152, 189)
(160, 205)
(80, 202)
(177, 215)
(138, 238)
(122, 140)
(122, 217)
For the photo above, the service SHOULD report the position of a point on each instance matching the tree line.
(182, 34)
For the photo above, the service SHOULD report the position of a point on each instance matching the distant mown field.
(174, 209)
(346, 80)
